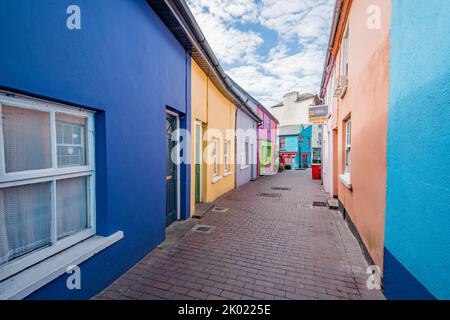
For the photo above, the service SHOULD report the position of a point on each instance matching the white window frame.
(345, 51)
(51, 175)
(348, 145)
(226, 156)
(215, 152)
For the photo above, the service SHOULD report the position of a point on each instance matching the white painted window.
(46, 180)
(345, 48)
(348, 143)
(243, 158)
(226, 156)
(214, 154)
(247, 153)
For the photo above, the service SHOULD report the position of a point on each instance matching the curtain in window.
(71, 206)
(26, 136)
(25, 220)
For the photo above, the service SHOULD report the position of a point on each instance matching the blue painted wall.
(127, 65)
(292, 145)
(305, 145)
(417, 236)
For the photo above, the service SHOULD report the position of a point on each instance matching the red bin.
(316, 171)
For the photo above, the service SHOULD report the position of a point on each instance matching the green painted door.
(171, 175)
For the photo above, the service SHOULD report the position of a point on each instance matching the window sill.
(29, 280)
(216, 179)
(244, 167)
(228, 173)
(345, 179)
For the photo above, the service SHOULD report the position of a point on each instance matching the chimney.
(290, 97)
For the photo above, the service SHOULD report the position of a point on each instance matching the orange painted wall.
(366, 101)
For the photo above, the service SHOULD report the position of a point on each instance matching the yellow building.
(213, 141)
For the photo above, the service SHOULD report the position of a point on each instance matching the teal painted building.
(417, 230)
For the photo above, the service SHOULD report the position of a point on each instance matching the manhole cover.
(269, 195)
(200, 228)
(220, 209)
(281, 188)
(319, 204)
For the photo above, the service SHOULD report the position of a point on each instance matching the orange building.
(356, 86)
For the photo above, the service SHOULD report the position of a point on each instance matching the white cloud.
(294, 63)
(230, 44)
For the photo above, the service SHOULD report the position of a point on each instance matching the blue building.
(288, 141)
(305, 145)
(91, 97)
(417, 230)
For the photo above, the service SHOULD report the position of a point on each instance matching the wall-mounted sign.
(318, 114)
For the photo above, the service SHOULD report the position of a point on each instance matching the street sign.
(318, 114)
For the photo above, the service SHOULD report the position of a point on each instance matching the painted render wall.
(366, 102)
(246, 131)
(125, 64)
(417, 245)
(199, 103)
(267, 137)
(218, 115)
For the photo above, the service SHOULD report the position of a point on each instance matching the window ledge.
(244, 167)
(216, 179)
(228, 173)
(345, 179)
(26, 282)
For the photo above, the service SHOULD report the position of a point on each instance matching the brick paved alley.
(261, 248)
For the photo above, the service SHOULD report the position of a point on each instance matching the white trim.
(21, 263)
(177, 116)
(228, 173)
(215, 142)
(32, 103)
(198, 124)
(216, 179)
(51, 175)
(244, 167)
(226, 164)
(345, 179)
(35, 277)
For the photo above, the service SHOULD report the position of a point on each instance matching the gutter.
(334, 26)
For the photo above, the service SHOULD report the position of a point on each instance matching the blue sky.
(270, 47)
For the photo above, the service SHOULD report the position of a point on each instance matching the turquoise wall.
(417, 234)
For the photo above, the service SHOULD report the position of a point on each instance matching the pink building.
(267, 143)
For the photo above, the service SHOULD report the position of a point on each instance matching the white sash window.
(47, 199)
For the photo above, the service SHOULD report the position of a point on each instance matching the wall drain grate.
(269, 195)
(281, 188)
(220, 209)
(319, 204)
(201, 228)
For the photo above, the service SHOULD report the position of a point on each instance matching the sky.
(269, 47)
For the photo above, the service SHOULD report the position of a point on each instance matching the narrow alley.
(270, 244)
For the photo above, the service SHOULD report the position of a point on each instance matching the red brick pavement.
(262, 248)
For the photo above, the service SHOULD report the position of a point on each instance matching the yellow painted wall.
(217, 115)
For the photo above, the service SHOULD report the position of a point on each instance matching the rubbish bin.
(316, 171)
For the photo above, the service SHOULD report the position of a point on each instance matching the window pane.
(25, 220)
(26, 135)
(71, 206)
(71, 142)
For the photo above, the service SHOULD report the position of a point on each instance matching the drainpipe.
(235, 148)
